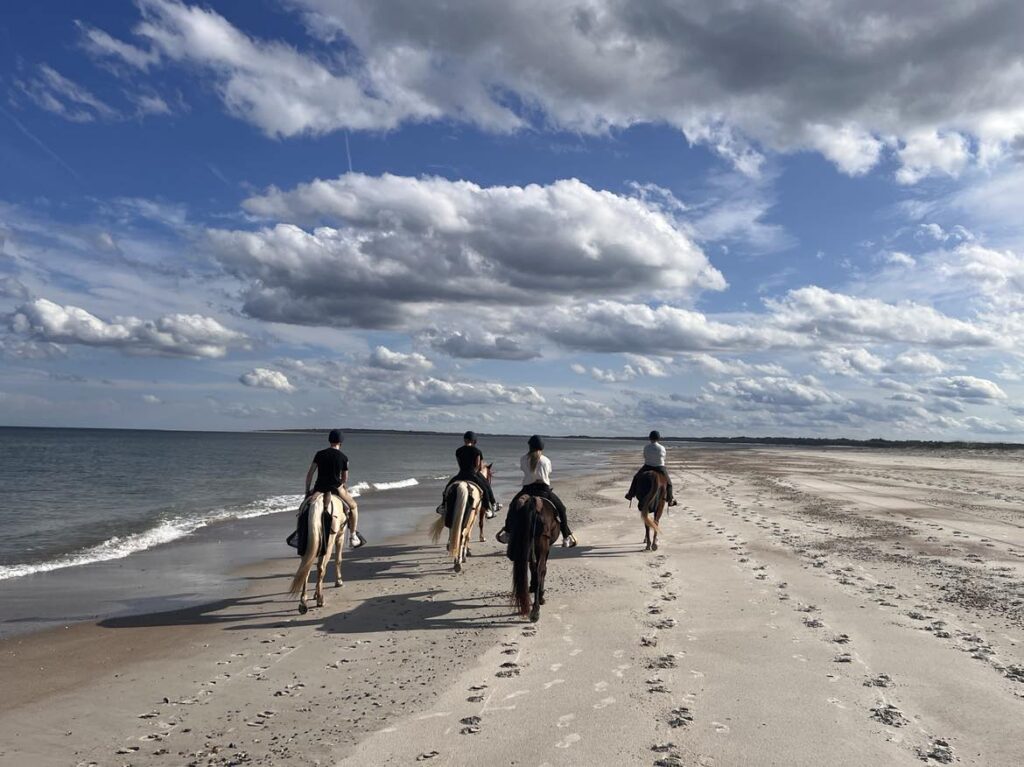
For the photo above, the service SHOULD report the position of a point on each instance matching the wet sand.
(806, 607)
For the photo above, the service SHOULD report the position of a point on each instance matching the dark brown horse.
(534, 527)
(652, 492)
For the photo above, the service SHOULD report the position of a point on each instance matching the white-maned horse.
(335, 538)
(468, 503)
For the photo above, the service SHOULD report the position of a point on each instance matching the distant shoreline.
(743, 440)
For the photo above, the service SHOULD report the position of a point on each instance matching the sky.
(713, 218)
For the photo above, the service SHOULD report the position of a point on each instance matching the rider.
(331, 467)
(537, 481)
(654, 460)
(471, 461)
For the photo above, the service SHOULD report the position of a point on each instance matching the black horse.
(534, 528)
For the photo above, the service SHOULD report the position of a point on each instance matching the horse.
(319, 549)
(652, 492)
(468, 501)
(534, 528)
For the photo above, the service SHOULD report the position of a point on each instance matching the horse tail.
(455, 538)
(314, 530)
(522, 541)
(437, 528)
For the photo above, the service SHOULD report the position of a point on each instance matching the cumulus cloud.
(613, 326)
(408, 244)
(480, 344)
(716, 366)
(174, 335)
(734, 76)
(828, 315)
(264, 378)
(776, 391)
(383, 357)
(637, 366)
(434, 391)
(969, 388)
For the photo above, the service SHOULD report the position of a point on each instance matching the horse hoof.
(654, 547)
(648, 547)
(303, 608)
(542, 600)
(469, 553)
(337, 584)
(458, 567)
(320, 602)
(534, 616)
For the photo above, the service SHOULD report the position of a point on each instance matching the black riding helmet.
(335, 437)
(535, 443)
(655, 436)
(469, 437)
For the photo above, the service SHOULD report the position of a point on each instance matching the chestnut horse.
(652, 492)
(534, 527)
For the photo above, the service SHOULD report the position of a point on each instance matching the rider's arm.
(344, 478)
(309, 475)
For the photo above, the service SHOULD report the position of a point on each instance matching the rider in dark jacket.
(471, 461)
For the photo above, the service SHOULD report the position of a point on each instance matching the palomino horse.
(534, 527)
(652, 492)
(468, 499)
(320, 543)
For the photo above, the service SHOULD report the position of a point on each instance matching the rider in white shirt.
(654, 459)
(536, 469)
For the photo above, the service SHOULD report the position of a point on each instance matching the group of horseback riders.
(330, 466)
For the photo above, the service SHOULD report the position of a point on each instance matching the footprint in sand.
(575, 652)
(604, 703)
(568, 740)
(837, 703)
(555, 666)
(600, 686)
(564, 720)
(552, 683)
(722, 728)
(800, 658)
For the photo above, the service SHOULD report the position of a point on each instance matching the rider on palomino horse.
(331, 467)
(471, 463)
(537, 482)
(654, 460)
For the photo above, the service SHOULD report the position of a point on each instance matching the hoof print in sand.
(664, 623)
(649, 641)
(670, 758)
(844, 657)
(841, 639)
(665, 661)
(889, 715)
(655, 684)
(813, 623)
(508, 669)
(881, 680)
(471, 725)
(1014, 672)
(427, 755)
(680, 717)
(939, 751)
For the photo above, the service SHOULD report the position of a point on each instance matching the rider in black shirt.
(331, 467)
(471, 461)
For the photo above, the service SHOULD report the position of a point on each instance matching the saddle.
(447, 507)
(331, 523)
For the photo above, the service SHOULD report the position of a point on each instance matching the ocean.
(114, 521)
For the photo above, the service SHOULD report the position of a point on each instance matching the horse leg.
(647, 532)
(339, 546)
(657, 519)
(535, 587)
(303, 607)
(482, 539)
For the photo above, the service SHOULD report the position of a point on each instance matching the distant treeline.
(791, 441)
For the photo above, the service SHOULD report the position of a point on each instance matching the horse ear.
(490, 465)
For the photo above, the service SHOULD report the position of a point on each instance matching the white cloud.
(265, 378)
(434, 391)
(383, 357)
(151, 399)
(478, 343)
(969, 388)
(776, 391)
(848, 78)
(176, 335)
(411, 243)
(828, 315)
(55, 93)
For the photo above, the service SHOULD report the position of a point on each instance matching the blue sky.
(720, 218)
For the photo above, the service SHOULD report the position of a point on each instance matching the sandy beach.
(806, 607)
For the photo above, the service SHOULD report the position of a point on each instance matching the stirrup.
(568, 541)
(673, 502)
(356, 540)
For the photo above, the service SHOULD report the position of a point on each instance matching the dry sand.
(841, 607)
